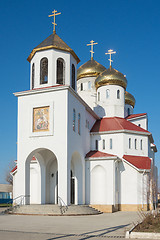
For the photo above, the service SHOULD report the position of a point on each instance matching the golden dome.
(90, 69)
(129, 99)
(111, 77)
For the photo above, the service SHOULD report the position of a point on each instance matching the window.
(96, 145)
(141, 144)
(107, 93)
(118, 94)
(33, 73)
(81, 86)
(73, 76)
(98, 96)
(129, 112)
(79, 123)
(110, 141)
(89, 85)
(135, 143)
(103, 144)
(139, 125)
(60, 71)
(129, 143)
(44, 70)
(74, 120)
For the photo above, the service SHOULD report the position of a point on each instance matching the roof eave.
(122, 131)
(52, 47)
(102, 158)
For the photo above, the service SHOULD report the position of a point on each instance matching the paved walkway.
(103, 226)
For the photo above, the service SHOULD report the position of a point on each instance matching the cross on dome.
(54, 14)
(91, 44)
(110, 52)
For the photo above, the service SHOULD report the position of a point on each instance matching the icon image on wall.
(41, 119)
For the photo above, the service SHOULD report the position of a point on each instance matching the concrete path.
(103, 226)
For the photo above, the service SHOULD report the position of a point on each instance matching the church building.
(79, 139)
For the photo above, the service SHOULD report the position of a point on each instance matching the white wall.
(111, 106)
(88, 95)
(141, 122)
(132, 150)
(78, 143)
(133, 190)
(100, 182)
(54, 140)
(117, 143)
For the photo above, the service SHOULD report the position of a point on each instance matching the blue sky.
(130, 27)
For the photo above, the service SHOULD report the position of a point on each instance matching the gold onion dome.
(90, 69)
(129, 99)
(111, 77)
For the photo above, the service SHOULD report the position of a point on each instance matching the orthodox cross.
(54, 14)
(110, 52)
(91, 44)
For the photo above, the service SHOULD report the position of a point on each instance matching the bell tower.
(53, 62)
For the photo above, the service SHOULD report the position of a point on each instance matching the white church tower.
(49, 143)
(52, 63)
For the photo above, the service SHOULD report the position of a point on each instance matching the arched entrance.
(41, 170)
(76, 179)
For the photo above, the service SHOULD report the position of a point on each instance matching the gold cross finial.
(110, 52)
(91, 44)
(54, 14)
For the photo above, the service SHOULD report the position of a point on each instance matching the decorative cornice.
(122, 131)
(52, 47)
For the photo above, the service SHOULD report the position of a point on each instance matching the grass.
(5, 205)
(150, 224)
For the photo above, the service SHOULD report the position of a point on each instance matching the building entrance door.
(72, 181)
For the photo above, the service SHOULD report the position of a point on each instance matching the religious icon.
(41, 119)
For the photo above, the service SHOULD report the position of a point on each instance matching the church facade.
(78, 138)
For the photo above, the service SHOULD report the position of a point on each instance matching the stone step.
(50, 209)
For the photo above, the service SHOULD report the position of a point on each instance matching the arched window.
(44, 71)
(60, 71)
(33, 73)
(96, 145)
(79, 123)
(107, 93)
(81, 86)
(141, 144)
(73, 76)
(110, 141)
(139, 125)
(129, 112)
(89, 85)
(118, 94)
(129, 143)
(135, 143)
(103, 144)
(74, 120)
(98, 96)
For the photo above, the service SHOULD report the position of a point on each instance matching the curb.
(141, 235)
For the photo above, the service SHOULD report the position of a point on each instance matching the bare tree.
(8, 176)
